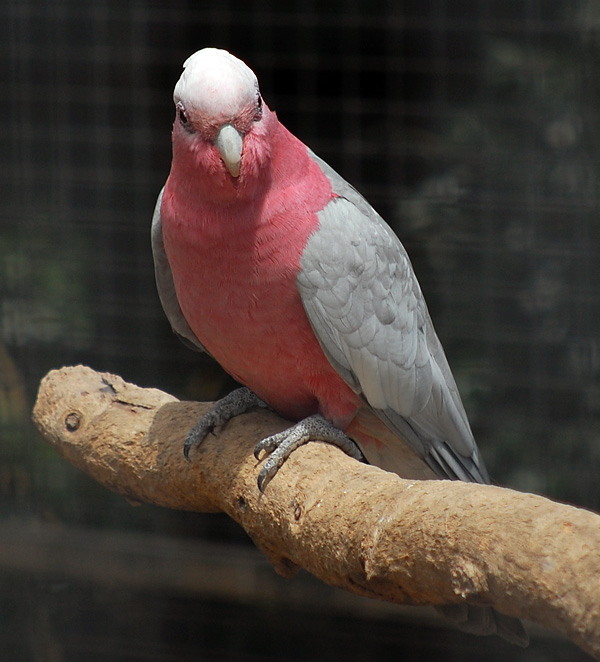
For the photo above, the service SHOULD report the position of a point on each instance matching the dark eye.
(182, 116)
(258, 113)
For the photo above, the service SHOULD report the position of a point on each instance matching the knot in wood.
(72, 421)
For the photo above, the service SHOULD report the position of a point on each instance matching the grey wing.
(369, 315)
(165, 285)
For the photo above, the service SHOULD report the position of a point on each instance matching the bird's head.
(218, 106)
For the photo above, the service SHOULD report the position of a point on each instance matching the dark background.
(471, 125)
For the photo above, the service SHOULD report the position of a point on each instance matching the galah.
(272, 263)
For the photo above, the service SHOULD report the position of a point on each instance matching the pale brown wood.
(351, 525)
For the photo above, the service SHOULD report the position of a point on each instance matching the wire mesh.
(471, 126)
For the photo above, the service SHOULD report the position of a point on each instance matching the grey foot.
(237, 402)
(280, 446)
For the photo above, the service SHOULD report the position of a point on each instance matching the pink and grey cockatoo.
(278, 268)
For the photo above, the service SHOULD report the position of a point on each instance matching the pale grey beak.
(229, 143)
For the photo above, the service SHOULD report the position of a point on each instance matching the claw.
(269, 444)
(237, 402)
(281, 445)
(270, 468)
(198, 433)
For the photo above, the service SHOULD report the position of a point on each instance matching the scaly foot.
(278, 446)
(281, 445)
(237, 402)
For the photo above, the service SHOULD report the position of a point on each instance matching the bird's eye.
(182, 116)
(259, 104)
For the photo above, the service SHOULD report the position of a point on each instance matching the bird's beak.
(229, 142)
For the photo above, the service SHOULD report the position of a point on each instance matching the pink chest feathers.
(235, 277)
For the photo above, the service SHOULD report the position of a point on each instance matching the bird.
(273, 264)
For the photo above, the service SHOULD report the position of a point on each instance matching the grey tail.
(481, 620)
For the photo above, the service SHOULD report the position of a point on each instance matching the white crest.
(216, 85)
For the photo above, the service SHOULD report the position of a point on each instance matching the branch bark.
(352, 525)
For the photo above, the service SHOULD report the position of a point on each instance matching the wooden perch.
(350, 524)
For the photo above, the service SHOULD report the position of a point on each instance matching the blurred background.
(470, 125)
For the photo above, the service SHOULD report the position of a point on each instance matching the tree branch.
(351, 525)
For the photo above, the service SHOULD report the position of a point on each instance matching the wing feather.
(368, 312)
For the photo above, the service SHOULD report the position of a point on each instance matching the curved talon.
(197, 434)
(270, 443)
(187, 445)
(267, 473)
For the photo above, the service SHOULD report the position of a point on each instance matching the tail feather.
(480, 620)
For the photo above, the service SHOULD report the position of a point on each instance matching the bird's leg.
(237, 402)
(280, 446)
